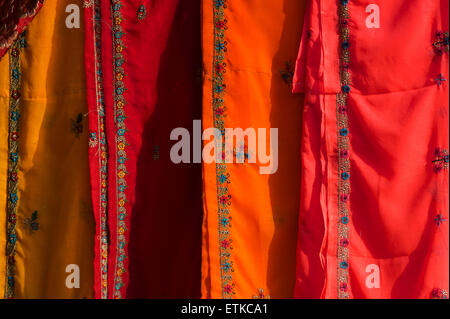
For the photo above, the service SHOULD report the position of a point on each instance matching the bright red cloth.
(150, 55)
(374, 202)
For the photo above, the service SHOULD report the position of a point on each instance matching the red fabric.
(162, 90)
(14, 18)
(397, 113)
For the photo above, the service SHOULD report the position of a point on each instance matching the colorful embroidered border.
(222, 176)
(102, 151)
(121, 143)
(13, 163)
(344, 154)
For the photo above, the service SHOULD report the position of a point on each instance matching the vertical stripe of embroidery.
(102, 151)
(120, 142)
(15, 78)
(222, 176)
(344, 154)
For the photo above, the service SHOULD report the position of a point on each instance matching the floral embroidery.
(288, 73)
(93, 139)
(440, 79)
(344, 154)
(441, 159)
(438, 293)
(13, 163)
(439, 219)
(222, 176)
(77, 125)
(31, 223)
(121, 144)
(98, 139)
(142, 12)
(441, 44)
(261, 294)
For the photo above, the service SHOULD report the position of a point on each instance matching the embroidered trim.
(343, 139)
(121, 143)
(15, 79)
(222, 176)
(102, 150)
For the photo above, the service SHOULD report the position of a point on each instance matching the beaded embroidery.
(98, 139)
(222, 176)
(121, 144)
(343, 154)
(13, 163)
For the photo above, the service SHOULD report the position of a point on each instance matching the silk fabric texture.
(143, 65)
(374, 200)
(250, 219)
(53, 220)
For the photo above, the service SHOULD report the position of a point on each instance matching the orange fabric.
(249, 246)
(374, 208)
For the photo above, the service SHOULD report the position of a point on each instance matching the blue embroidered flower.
(14, 157)
(122, 216)
(121, 132)
(344, 132)
(13, 198)
(11, 281)
(220, 46)
(121, 160)
(224, 222)
(122, 188)
(345, 45)
(12, 239)
(223, 179)
(346, 89)
(219, 3)
(345, 176)
(344, 220)
(344, 2)
(15, 116)
(226, 266)
(16, 73)
(344, 265)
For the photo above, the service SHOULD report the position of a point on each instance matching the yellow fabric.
(53, 160)
(261, 36)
